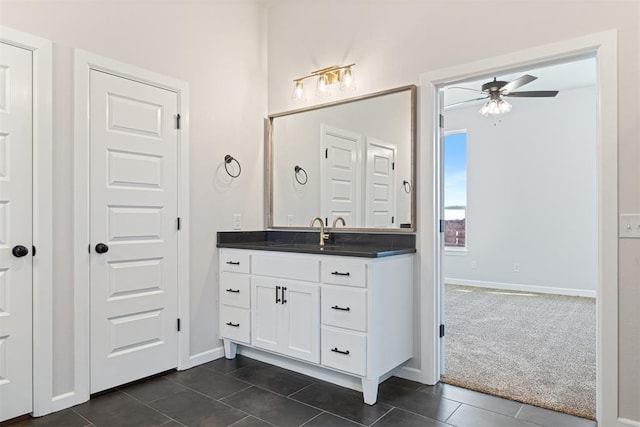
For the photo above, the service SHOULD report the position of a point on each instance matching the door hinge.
(442, 121)
(178, 223)
(177, 121)
(441, 331)
(33, 250)
(178, 325)
(442, 225)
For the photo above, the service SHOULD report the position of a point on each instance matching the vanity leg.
(370, 390)
(229, 349)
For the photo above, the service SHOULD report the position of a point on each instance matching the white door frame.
(41, 50)
(84, 62)
(604, 46)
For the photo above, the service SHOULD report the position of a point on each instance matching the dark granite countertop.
(368, 245)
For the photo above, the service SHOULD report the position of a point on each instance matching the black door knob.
(102, 248)
(19, 251)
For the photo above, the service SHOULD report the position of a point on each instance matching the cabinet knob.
(19, 251)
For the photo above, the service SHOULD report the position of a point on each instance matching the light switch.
(237, 221)
(630, 226)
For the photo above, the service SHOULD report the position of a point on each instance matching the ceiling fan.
(494, 90)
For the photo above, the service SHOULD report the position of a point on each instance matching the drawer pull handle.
(284, 300)
(233, 262)
(235, 325)
(335, 307)
(235, 291)
(335, 350)
(337, 273)
(277, 296)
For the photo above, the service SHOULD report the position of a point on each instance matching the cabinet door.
(265, 313)
(301, 321)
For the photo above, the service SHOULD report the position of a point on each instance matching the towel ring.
(407, 186)
(297, 169)
(228, 159)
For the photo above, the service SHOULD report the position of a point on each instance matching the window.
(455, 189)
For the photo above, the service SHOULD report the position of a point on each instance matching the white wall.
(393, 42)
(219, 48)
(531, 195)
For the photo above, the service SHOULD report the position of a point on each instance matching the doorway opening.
(518, 199)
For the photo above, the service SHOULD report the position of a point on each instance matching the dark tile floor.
(245, 392)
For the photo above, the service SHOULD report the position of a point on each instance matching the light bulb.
(322, 88)
(298, 90)
(348, 80)
(505, 107)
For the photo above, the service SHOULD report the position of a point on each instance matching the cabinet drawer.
(296, 268)
(235, 324)
(346, 351)
(344, 307)
(344, 273)
(236, 262)
(235, 289)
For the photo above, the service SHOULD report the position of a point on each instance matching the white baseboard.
(522, 288)
(408, 373)
(205, 357)
(629, 422)
(65, 400)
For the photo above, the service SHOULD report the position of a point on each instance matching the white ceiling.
(570, 75)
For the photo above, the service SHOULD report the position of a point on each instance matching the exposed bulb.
(298, 90)
(322, 88)
(348, 80)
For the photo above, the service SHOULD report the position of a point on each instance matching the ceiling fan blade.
(465, 88)
(464, 102)
(520, 81)
(533, 94)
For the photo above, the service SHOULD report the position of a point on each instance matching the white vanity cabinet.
(351, 315)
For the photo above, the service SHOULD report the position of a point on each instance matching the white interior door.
(341, 185)
(133, 213)
(380, 184)
(15, 231)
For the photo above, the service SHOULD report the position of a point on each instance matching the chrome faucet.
(323, 236)
(336, 219)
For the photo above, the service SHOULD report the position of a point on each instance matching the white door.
(340, 170)
(133, 217)
(380, 187)
(15, 231)
(301, 321)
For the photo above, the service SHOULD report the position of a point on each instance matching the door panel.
(15, 229)
(381, 190)
(302, 321)
(134, 146)
(341, 185)
(265, 314)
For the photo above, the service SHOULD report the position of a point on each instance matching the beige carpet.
(533, 348)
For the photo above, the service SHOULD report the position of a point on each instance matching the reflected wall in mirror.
(352, 159)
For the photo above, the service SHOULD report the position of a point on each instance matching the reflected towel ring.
(407, 186)
(228, 159)
(297, 169)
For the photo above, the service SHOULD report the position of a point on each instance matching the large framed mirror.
(352, 159)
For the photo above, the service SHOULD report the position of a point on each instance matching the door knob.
(19, 251)
(102, 248)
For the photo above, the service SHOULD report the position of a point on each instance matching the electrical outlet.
(290, 220)
(474, 265)
(516, 267)
(237, 221)
(630, 226)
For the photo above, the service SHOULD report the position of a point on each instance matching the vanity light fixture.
(326, 77)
